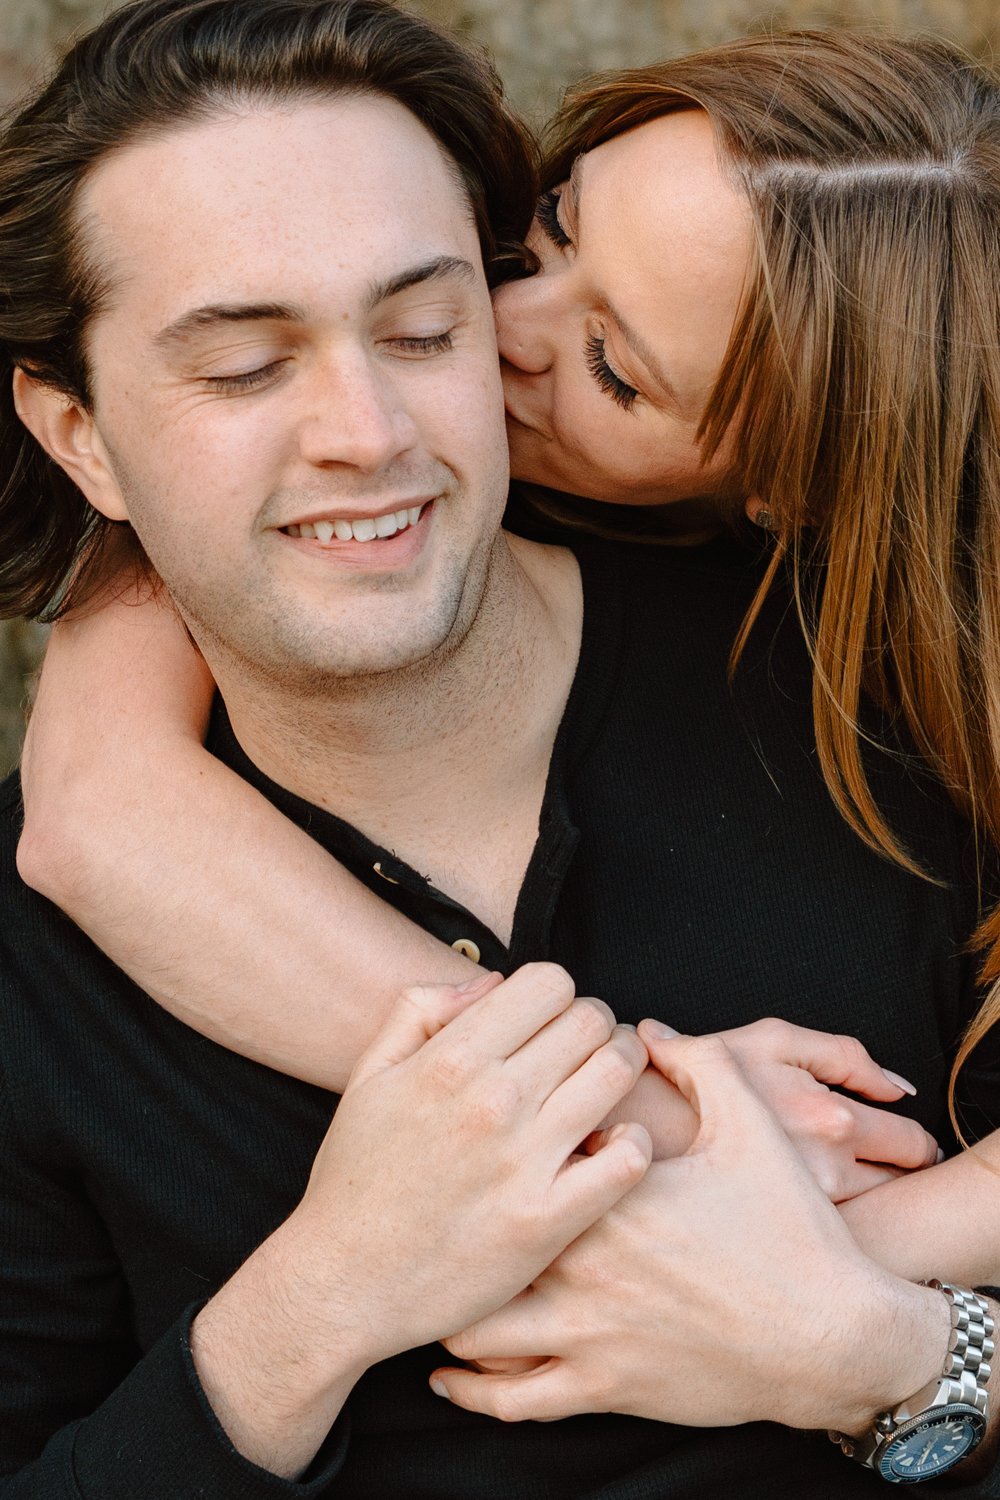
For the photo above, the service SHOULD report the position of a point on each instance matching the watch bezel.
(926, 1420)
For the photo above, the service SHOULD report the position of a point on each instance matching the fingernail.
(900, 1083)
(658, 1029)
(439, 1388)
(625, 1026)
(940, 1157)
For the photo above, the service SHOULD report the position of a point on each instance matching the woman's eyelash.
(619, 390)
(547, 215)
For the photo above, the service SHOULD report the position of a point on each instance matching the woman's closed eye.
(613, 385)
(547, 214)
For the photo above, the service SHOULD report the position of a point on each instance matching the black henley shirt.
(689, 864)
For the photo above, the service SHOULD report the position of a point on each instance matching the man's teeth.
(365, 529)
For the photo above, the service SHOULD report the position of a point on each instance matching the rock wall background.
(539, 47)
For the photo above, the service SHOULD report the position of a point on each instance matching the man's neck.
(444, 763)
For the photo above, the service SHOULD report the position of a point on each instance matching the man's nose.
(354, 415)
(526, 313)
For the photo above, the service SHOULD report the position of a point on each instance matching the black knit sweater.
(689, 864)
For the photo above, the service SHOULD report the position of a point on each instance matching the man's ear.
(68, 434)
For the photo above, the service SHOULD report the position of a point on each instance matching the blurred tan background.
(539, 47)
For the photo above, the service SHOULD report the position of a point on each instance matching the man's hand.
(448, 1180)
(725, 1288)
(848, 1146)
(449, 1177)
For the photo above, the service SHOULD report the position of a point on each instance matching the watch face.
(931, 1445)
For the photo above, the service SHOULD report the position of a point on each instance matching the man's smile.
(358, 528)
(390, 541)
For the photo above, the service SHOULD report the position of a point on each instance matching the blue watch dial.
(932, 1446)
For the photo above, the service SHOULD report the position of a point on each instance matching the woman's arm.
(944, 1222)
(130, 826)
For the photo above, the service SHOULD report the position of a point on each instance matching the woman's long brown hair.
(861, 387)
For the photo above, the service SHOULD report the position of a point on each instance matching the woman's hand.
(848, 1146)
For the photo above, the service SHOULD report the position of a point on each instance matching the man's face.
(298, 347)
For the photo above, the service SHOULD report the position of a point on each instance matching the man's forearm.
(943, 1222)
(274, 1368)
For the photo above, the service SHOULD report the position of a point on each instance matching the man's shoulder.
(44, 957)
(11, 806)
(11, 823)
(25, 913)
(674, 611)
(722, 566)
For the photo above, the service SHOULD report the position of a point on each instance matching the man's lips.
(327, 526)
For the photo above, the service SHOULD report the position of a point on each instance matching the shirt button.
(467, 948)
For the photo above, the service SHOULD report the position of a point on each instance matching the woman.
(812, 337)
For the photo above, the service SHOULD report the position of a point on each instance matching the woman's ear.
(68, 434)
(757, 512)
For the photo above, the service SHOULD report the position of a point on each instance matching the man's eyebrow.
(633, 338)
(216, 313)
(440, 268)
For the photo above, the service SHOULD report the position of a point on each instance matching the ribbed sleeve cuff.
(158, 1437)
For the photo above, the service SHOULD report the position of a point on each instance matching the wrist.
(942, 1424)
(902, 1340)
(662, 1109)
(273, 1360)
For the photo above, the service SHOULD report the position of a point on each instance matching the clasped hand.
(847, 1145)
(451, 1194)
(724, 1288)
(450, 1176)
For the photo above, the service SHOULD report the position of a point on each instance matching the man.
(201, 1275)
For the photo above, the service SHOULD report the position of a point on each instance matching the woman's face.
(610, 352)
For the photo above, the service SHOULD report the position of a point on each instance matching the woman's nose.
(525, 312)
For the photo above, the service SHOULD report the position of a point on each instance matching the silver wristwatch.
(936, 1428)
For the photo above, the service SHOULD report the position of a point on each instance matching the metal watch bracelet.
(962, 1383)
